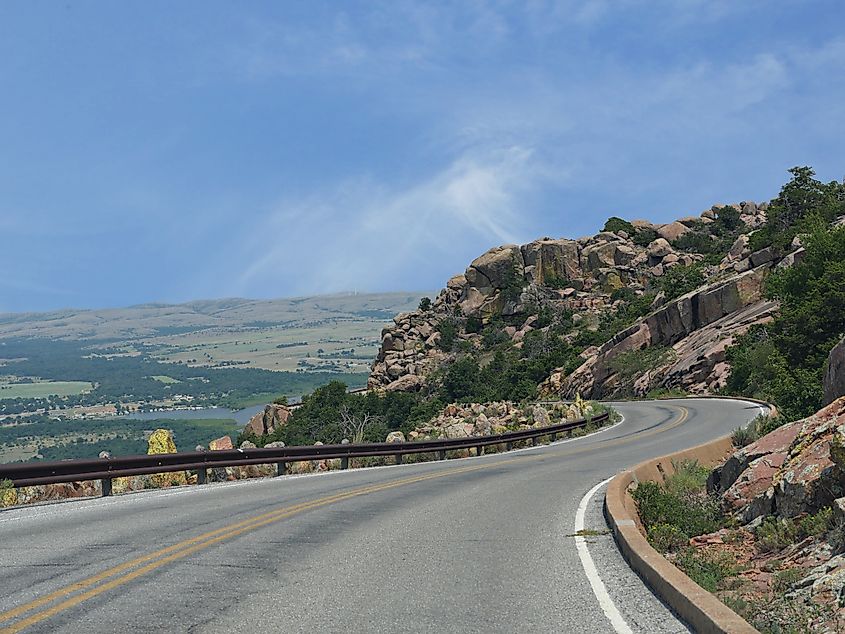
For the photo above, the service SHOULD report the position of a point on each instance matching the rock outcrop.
(797, 468)
(834, 374)
(697, 327)
(587, 277)
(161, 442)
(268, 421)
(475, 419)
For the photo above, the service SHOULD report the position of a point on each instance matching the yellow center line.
(187, 547)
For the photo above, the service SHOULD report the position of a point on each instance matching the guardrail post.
(479, 450)
(202, 474)
(281, 467)
(508, 446)
(399, 458)
(533, 441)
(105, 483)
(553, 437)
(441, 455)
(344, 462)
(569, 433)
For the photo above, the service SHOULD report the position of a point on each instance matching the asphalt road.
(479, 544)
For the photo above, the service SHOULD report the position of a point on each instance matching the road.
(471, 545)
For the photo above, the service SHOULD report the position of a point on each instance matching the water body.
(242, 416)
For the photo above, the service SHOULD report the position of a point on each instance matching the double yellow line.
(159, 558)
(75, 593)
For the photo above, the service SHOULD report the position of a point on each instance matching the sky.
(165, 151)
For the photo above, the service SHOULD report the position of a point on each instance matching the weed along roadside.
(742, 538)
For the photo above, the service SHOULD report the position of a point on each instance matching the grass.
(43, 389)
(679, 508)
(162, 378)
(776, 534)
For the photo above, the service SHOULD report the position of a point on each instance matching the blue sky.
(168, 151)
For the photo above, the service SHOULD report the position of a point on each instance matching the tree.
(356, 426)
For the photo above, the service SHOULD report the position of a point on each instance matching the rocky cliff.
(515, 288)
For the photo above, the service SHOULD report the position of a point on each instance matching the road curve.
(479, 544)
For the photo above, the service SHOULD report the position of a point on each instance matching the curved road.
(479, 544)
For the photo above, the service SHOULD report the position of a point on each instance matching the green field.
(43, 389)
(161, 378)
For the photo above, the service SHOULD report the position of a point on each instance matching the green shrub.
(448, 329)
(727, 220)
(816, 525)
(629, 365)
(680, 280)
(785, 579)
(695, 242)
(425, 304)
(474, 324)
(514, 282)
(554, 281)
(743, 436)
(681, 502)
(707, 569)
(615, 224)
(783, 361)
(666, 538)
(775, 534)
(802, 203)
(644, 237)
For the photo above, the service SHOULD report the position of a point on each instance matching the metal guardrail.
(105, 469)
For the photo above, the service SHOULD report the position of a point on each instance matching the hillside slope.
(687, 287)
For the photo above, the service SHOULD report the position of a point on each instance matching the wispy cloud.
(364, 235)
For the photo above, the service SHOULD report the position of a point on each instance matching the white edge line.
(608, 607)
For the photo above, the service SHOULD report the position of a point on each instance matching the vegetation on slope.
(783, 361)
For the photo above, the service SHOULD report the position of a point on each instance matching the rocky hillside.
(683, 289)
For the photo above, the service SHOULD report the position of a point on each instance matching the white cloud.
(363, 235)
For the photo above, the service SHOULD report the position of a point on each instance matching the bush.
(727, 220)
(743, 436)
(802, 203)
(775, 534)
(425, 304)
(633, 363)
(644, 237)
(448, 330)
(783, 361)
(666, 538)
(680, 280)
(695, 242)
(474, 324)
(282, 400)
(680, 502)
(816, 525)
(615, 224)
(709, 570)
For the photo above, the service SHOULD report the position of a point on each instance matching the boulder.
(795, 469)
(659, 248)
(268, 421)
(395, 436)
(161, 442)
(834, 373)
(407, 383)
(541, 416)
(219, 444)
(552, 259)
(496, 267)
(672, 231)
